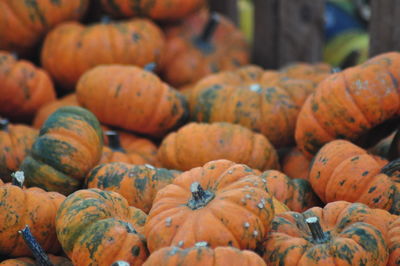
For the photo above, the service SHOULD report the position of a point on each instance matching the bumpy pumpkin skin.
(297, 194)
(357, 237)
(15, 143)
(98, 227)
(202, 255)
(24, 23)
(198, 143)
(33, 207)
(236, 210)
(71, 48)
(265, 109)
(138, 184)
(394, 243)
(344, 171)
(187, 59)
(46, 110)
(295, 164)
(131, 98)
(68, 146)
(24, 87)
(158, 9)
(24, 261)
(347, 105)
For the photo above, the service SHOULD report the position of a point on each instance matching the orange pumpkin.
(198, 143)
(394, 243)
(24, 23)
(295, 164)
(221, 203)
(24, 87)
(25, 261)
(71, 48)
(202, 44)
(131, 98)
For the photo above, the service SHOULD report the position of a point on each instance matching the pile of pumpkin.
(165, 147)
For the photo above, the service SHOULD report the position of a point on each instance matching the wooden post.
(228, 8)
(384, 26)
(287, 31)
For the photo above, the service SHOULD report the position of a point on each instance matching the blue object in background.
(338, 20)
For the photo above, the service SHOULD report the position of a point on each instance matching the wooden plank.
(384, 26)
(301, 31)
(227, 7)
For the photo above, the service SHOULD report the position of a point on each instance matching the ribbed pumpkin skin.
(131, 98)
(187, 60)
(394, 242)
(15, 143)
(295, 164)
(260, 107)
(68, 146)
(305, 71)
(198, 143)
(138, 184)
(200, 256)
(24, 23)
(279, 206)
(297, 194)
(344, 171)
(33, 207)
(155, 9)
(348, 104)
(24, 87)
(46, 110)
(357, 237)
(56, 260)
(98, 227)
(71, 48)
(237, 213)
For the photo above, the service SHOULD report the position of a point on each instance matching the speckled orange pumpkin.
(25, 261)
(295, 164)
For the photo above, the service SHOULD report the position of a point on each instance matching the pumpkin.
(24, 23)
(339, 234)
(24, 87)
(279, 206)
(305, 71)
(343, 171)
(297, 194)
(27, 206)
(201, 254)
(131, 98)
(155, 9)
(68, 146)
(98, 227)
(138, 184)
(260, 107)
(25, 261)
(202, 44)
(198, 143)
(295, 164)
(15, 143)
(46, 110)
(71, 48)
(114, 152)
(360, 104)
(221, 203)
(394, 242)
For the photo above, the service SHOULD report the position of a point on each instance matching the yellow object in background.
(246, 18)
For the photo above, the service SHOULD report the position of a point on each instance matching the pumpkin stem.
(150, 67)
(200, 197)
(4, 124)
(114, 141)
(38, 252)
(18, 178)
(210, 27)
(391, 167)
(316, 230)
(394, 147)
(120, 263)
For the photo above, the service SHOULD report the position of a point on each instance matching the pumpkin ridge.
(217, 218)
(23, 218)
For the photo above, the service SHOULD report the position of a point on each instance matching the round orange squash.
(394, 243)
(71, 48)
(295, 164)
(198, 143)
(221, 203)
(24, 87)
(131, 98)
(25, 261)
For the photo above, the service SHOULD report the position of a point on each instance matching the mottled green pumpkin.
(98, 227)
(68, 146)
(139, 184)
